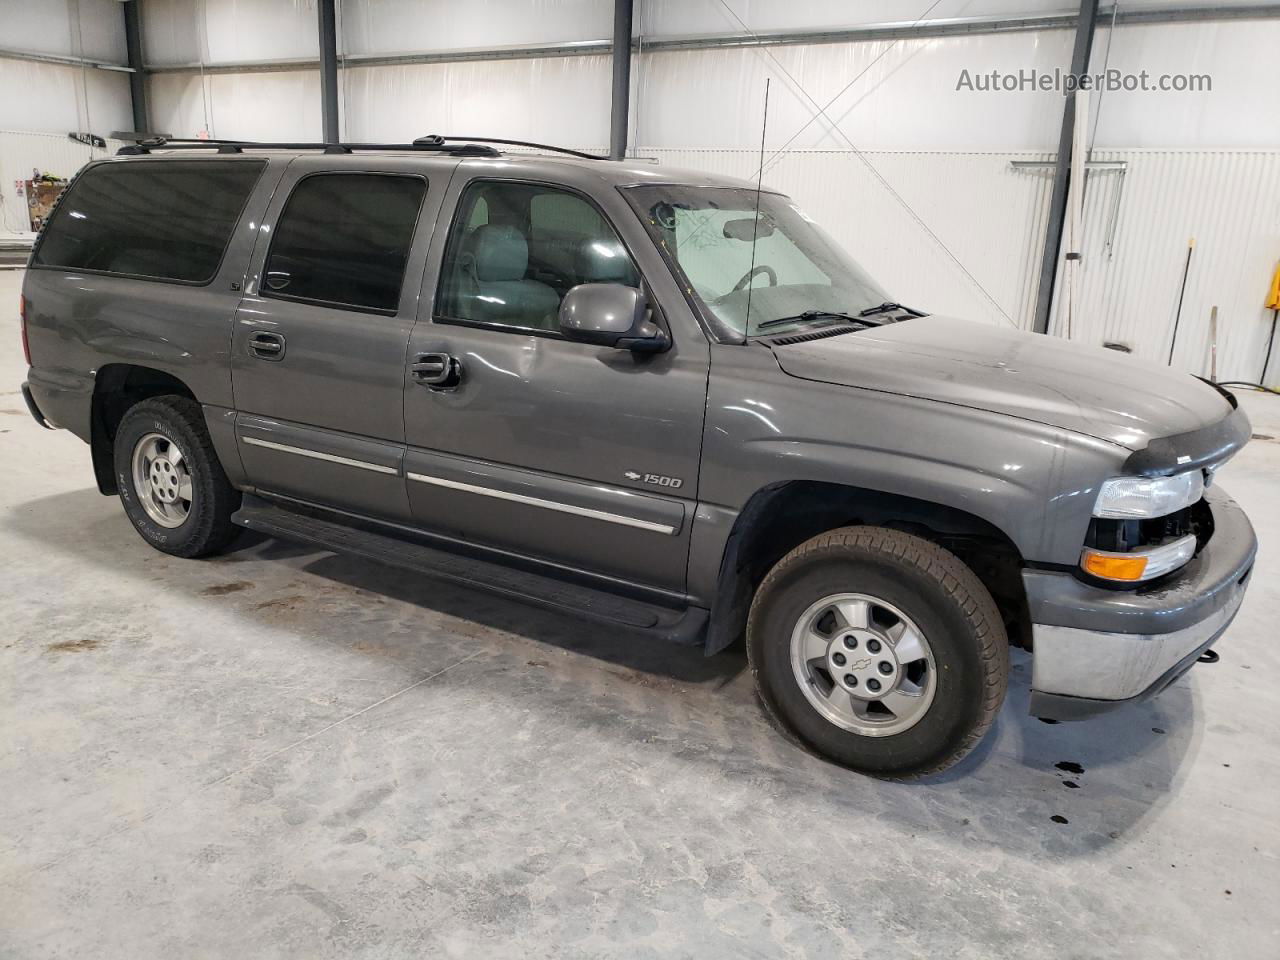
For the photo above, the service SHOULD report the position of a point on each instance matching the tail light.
(22, 315)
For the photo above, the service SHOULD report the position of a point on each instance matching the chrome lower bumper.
(1095, 649)
(1105, 670)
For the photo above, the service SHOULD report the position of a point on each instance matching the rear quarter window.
(159, 219)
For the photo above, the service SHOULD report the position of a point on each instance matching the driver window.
(515, 250)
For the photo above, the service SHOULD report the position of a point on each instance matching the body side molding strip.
(317, 455)
(548, 504)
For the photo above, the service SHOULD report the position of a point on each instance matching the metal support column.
(621, 114)
(328, 68)
(1062, 172)
(138, 78)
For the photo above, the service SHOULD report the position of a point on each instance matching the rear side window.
(343, 240)
(161, 219)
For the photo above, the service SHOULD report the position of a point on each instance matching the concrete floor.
(281, 753)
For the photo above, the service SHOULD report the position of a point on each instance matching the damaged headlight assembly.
(1144, 498)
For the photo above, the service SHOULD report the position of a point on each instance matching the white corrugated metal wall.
(1229, 201)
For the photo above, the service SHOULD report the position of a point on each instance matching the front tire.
(171, 483)
(879, 650)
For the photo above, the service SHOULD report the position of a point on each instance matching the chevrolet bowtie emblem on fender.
(671, 483)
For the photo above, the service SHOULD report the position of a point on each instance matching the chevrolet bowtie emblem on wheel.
(672, 483)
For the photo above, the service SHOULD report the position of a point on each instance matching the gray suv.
(656, 399)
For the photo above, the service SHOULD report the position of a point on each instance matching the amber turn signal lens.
(1109, 566)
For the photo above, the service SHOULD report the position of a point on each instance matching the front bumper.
(1096, 649)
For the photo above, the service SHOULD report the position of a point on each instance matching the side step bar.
(685, 626)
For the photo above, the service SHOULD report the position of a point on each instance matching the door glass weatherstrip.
(547, 504)
(317, 455)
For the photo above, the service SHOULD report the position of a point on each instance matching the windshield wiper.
(807, 315)
(889, 307)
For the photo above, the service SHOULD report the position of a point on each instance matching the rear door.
(571, 453)
(318, 350)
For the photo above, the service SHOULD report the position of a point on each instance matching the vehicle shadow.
(1102, 780)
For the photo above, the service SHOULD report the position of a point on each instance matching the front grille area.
(1121, 536)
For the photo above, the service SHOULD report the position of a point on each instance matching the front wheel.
(880, 650)
(171, 484)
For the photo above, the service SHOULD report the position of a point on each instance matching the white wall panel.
(228, 31)
(397, 26)
(691, 17)
(905, 101)
(551, 100)
(908, 98)
(52, 98)
(1230, 202)
(216, 31)
(281, 105)
(1241, 110)
(88, 28)
(557, 99)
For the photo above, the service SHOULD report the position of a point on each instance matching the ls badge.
(671, 483)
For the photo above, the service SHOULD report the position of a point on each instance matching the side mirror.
(611, 315)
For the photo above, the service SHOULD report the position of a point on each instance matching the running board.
(685, 626)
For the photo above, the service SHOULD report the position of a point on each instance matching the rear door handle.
(438, 371)
(267, 346)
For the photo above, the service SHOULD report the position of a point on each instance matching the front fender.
(1033, 482)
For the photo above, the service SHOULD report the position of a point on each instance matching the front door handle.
(437, 371)
(267, 346)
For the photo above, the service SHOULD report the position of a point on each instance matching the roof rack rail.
(454, 146)
(239, 146)
(432, 139)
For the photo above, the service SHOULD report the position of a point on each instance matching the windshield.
(707, 232)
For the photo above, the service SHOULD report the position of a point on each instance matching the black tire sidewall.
(155, 417)
(957, 704)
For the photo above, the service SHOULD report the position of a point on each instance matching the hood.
(1089, 390)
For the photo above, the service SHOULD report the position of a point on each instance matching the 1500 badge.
(671, 483)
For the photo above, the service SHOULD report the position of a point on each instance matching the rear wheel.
(880, 650)
(171, 484)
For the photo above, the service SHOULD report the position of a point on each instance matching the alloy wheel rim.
(863, 664)
(162, 480)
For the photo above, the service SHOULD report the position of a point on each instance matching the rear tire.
(879, 650)
(171, 483)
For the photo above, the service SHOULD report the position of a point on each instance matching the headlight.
(1142, 498)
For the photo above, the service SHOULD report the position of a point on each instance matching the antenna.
(755, 224)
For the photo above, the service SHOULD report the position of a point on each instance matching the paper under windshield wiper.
(807, 315)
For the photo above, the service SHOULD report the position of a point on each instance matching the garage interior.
(282, 751)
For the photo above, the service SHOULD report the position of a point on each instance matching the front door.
(580, 455)
(318, 351)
